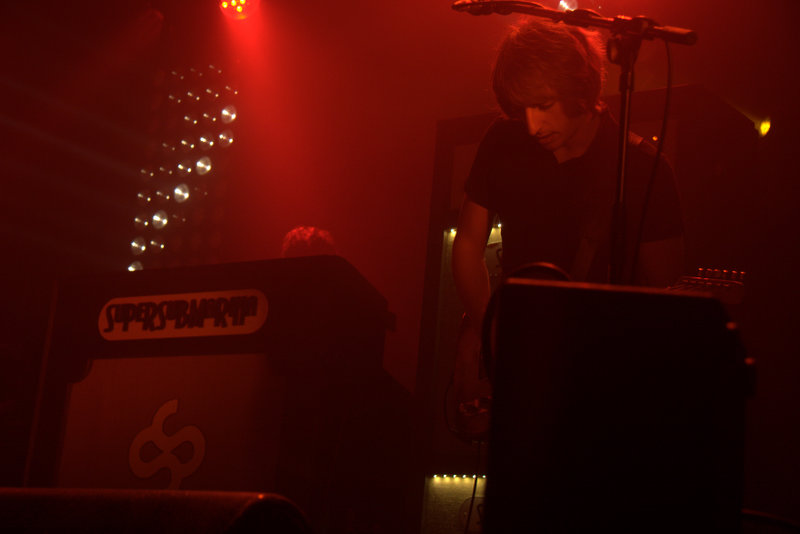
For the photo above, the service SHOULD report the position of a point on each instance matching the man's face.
(550, 125)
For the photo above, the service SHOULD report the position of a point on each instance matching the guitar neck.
(725, 285)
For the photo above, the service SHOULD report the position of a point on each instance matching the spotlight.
(187, 144)
(181, 193)
(228, 114)
(192, 95)
(225, 138)
(764, 127)
(179, 219)
(141, 222)
(160, 219)
(184, 168)
(143, 198)
(138, 246)
(135, 266)
(209, 118)
(201, 190)
(238, 9)
(206, 141)
(203, 165)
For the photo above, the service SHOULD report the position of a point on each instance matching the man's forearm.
(472, 279)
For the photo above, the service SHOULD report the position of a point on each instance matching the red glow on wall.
(238, 9)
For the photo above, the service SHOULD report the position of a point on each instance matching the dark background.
(340, 103)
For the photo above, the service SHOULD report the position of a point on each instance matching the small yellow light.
(224, 5)
(764, 126)
(239, 9)
(452, 230)
(499, 225)
(655, 138)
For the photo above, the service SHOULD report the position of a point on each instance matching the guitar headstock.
(723, 284)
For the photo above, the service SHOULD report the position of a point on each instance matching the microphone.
(487, 7)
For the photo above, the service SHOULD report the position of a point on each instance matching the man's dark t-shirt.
(561, 212)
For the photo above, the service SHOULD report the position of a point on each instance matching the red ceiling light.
(238, 9)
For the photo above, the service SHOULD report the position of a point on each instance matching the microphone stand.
(622, 49)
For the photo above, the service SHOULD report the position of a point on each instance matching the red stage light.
(238, 9)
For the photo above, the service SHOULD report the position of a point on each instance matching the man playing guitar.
(547, 169)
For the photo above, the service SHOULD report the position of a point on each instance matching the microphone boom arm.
(578, 17)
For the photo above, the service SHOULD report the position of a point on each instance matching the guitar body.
(469, 399)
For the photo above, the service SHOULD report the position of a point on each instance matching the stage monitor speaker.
(24, 510)
(615, 409)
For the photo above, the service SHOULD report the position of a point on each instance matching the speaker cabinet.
(615, 409)
(153, 512)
